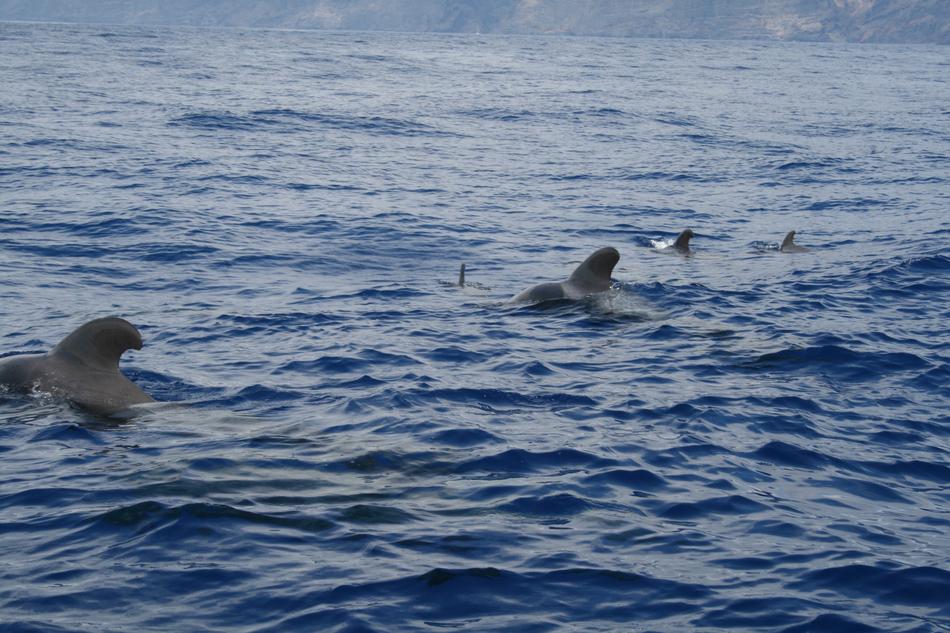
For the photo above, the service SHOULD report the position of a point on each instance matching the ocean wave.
(165, 521)
(517, 460)
(370, 124)
(838, 360)
(919, 586)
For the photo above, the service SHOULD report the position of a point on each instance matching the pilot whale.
(82, 368)
(789, 245)
(593, 275)
(682, 241)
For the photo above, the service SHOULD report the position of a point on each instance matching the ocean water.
(738, 439)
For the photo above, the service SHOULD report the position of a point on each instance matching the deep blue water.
(736, 440)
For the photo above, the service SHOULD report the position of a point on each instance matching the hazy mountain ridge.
(909, 21)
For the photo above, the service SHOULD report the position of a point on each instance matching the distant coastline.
(871, 21)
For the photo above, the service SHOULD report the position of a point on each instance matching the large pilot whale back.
(593, 275)
(82, 368)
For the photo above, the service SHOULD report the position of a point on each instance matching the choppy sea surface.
(739, 439)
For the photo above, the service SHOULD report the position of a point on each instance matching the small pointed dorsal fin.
(100, 343)
(789, 240)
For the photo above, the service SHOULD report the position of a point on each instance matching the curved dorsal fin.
(594, 272)
(682, 241)
(789, 240)
(100, 343)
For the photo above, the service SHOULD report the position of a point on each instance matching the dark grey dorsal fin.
(462, 275)
(789, 240)
(100, 343)
(594, 272)
(682, 241)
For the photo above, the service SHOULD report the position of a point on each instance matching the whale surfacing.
(592, 276)
(789, 245)
(82, 368)
(682, 241)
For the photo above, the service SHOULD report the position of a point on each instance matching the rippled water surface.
(739, 439)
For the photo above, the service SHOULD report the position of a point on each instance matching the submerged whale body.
(83, 368)
(593, 275)
(789, 245)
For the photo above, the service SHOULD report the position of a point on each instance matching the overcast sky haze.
(890, 21)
